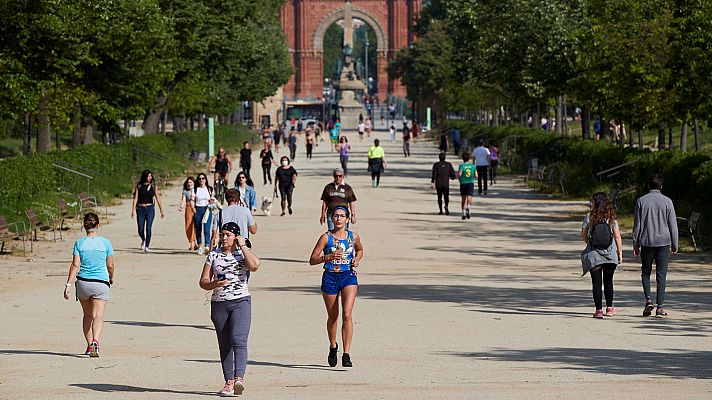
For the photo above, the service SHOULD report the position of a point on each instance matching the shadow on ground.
(675, 364)
(110, 388)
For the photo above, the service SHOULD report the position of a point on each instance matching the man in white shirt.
(481, 156)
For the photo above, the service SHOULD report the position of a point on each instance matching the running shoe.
(346, 360)
(143, 245)
(648, 308)
(239, 387)
(598, 314)
(463, 217)
(200, 251)
(447, 212)
(87, 351)
(333, 355)
(228, 390)
(660, 313)
(94, 348)
(610, 311)
(290, 210)
(467, 213)
(146, 250)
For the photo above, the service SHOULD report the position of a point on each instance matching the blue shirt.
(92, 252)
(348, 252)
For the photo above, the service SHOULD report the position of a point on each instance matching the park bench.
(37, 223)
(87, 202)
(64, 213)
(691, 225)
(8, 233)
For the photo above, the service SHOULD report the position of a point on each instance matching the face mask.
(285, 163)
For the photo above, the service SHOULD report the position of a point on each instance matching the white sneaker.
(146, 250)
(143, 245)
(200, 251)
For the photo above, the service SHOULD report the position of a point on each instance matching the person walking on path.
(226, 272)
(493, 162)
(267, 159)
(93, 268)
(341, 251)
(203, 193)
(443, 172)
(276, 136)
(455, 134)
(466, 174)
(392, 131)
(344, 149)
(146, 195)
(654, 238)
(361, 130)
(234, 212)
(187, 203)
(285, 177)
(604, 251)
(246, 158)
(369, 126)
(481, 156)
(442, 142)
(309, 143)
(248, 196)
(337, 193)
(292, 142)
(406, 141)
(376, 163)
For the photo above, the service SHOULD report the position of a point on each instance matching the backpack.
(600, 235)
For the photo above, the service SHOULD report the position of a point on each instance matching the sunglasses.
(202, 179)
(243, 177)
(338, 176)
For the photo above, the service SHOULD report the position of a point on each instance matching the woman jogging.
(187, 203)
(226, 272)
(344, 149)
(341, 251)
(284, 178)
(203, 193)
(93, 267)
(146, 194)
(376, 163)
(603, 251)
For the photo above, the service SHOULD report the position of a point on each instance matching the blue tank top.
(347, 246)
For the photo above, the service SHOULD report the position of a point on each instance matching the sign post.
(211, 137)
(428, 117)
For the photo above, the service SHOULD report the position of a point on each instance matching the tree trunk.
(88, 134)
(605, 129)
(192, 123)
(623, 133)
(200, 122)
(77, 131)
(152, 120)
(164, 122)
(641, 143)
(586, 122)
(698, 140)
(661, 137)
(44, 135)
(683, 138)
(27, 135)
(558, 124)
(670, 138)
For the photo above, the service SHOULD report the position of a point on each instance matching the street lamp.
(365, 32)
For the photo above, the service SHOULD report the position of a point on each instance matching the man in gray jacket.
(654, 238)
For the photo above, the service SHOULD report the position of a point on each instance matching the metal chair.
(693, 224)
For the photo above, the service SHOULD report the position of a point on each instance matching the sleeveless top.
(221, 164)
(344, 149)
(145, 194)
(347, 246)
(493, 154)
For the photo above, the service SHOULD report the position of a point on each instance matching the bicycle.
(220, 188)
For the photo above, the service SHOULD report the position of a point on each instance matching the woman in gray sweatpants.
(225, 273)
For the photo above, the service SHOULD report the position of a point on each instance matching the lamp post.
(365, 32)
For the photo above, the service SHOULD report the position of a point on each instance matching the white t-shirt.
(361, 127)
(481, 156)
(230, 263)
(202, 197)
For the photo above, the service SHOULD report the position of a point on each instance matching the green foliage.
(333, 43)
(28, 180)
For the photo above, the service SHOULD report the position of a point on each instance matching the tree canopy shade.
(92, 62)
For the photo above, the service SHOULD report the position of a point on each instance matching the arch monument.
(305, 22)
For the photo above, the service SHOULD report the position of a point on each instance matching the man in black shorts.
(222, 164)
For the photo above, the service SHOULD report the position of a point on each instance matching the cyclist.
(222, 166)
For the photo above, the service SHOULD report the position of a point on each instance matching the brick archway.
(305, 22)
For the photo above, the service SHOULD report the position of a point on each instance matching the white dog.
(267, 205)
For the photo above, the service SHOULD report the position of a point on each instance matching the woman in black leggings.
(284, 178)
(602, 219)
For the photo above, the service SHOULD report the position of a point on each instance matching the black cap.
(232, 227)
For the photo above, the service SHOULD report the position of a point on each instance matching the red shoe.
(598, 314)
(610, 311)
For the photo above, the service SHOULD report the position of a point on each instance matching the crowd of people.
(222, 233)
